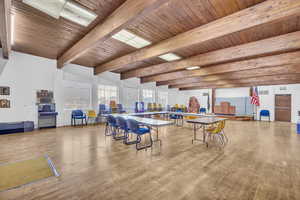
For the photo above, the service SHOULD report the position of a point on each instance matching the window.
(77, 96)
(162, 98)
(107, 93)
(148, 96)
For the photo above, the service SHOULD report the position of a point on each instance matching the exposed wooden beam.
(213, 99)
(269, 61)
(5, 32)
(247, 80)
(266, 12)
(267, 71)
(128, 12)
(280, 82)
(280, 44)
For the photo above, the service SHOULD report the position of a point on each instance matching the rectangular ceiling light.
(193, 68)
(170, 57)
(78, 14)
(64, 8)
(131, 39)
(50, 7)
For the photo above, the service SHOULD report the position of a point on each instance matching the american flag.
(254, 97)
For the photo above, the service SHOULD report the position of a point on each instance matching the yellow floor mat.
(16, 174)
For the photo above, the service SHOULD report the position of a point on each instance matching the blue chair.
(78, 114)
(122, 125)
(137, 129)
(202, 110)
(120, 129)
(176, 118)
(168, 108)
(120, 108)
(102, 109)
(264, 113)
(111, 126)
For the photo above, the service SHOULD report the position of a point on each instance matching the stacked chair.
(139, 107)
(120, 109)
(160, 108)
(113, 106)
(150, 107)
(103, 110)
(155, 107)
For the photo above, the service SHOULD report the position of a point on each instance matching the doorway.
(283, 107)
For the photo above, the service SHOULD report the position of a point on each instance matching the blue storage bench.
(16, 127)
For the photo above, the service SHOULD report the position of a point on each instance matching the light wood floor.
(261, 161)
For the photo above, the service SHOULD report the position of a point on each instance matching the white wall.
(2, 61)
(199, 95)
(25, 74)
(232, 92)
(267, 102)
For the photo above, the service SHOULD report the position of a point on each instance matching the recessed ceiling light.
(131, 39)
(64, 8)
(78, 14)
(193, 68)
(170, 57)
(50, 7)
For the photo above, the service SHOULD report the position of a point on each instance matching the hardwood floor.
(261, 161)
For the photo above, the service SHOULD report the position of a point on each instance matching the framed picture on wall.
(5, 91)
(4, 103)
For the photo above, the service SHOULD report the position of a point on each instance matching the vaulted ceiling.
(224, 37)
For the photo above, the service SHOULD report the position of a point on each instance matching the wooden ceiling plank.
(259, 78)
(128, 12)
(267, 71)
(5, 27)
(256, 63)
(279, 82)
(263, 13)
(283, 43)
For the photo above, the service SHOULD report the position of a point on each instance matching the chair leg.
(106, 130)
(126, 140)
(122, 137)
(138, 138)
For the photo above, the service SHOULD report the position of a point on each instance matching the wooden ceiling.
(223, 33)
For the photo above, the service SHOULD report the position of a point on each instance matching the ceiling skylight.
(170, 57)
(131, 39)
(64, 8)
(193, 68)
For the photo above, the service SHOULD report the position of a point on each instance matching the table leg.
(204, 135)
(194, 133)
(157, 137)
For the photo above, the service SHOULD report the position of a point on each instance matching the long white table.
(166, 112)
(153, 124)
